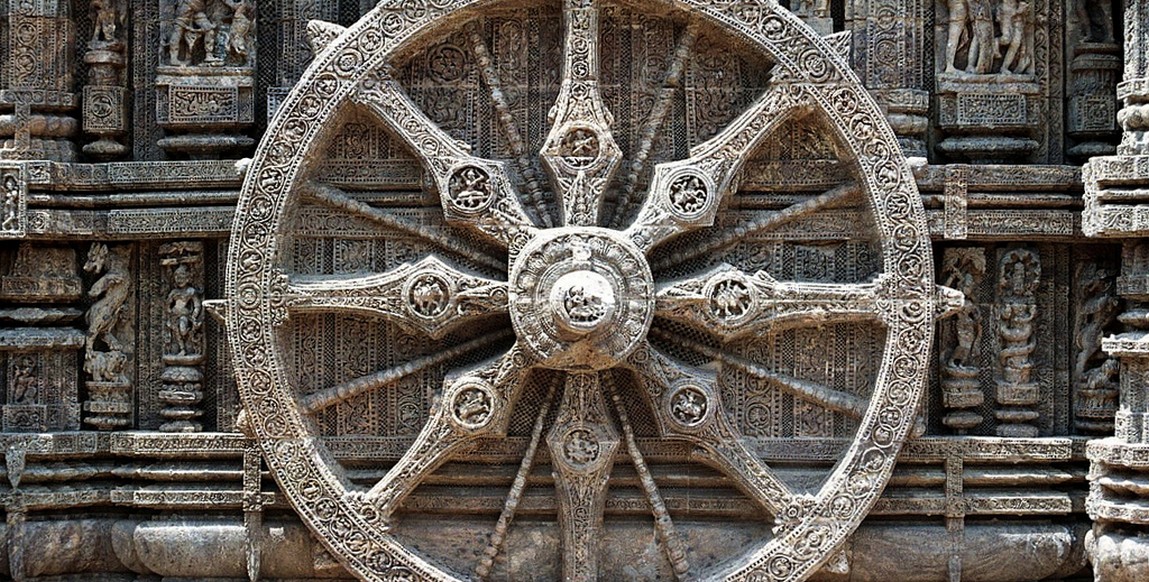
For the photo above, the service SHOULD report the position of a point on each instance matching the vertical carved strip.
(183, 358)
(109, 343)
(962, 393)
(105, 98)
(1017, 393)
(582, 444)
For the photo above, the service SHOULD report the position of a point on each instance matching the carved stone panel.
(567, 281)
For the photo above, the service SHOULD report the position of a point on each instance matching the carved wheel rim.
(601, 315)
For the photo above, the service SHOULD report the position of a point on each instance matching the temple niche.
(574, 289)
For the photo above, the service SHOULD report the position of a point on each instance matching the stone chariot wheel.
(582, 253)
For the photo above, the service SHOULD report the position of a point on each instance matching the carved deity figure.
(1020, 277)
(24, 381)
(983, 47)
(185, 310)
(110, 292)
(957, 36)
(191, 24)
(1016, 20)
(962, 271)
(1095, 11)
(239, 38)
(11, 210)
(106, 17)
(1098, 308)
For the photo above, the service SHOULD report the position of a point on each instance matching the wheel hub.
(581, 298)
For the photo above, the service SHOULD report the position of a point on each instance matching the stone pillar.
(889, 55)
(1115, 197)
(1094, 70)
(105, 111)
(38, 104)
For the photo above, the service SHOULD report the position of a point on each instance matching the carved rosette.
(582, 299)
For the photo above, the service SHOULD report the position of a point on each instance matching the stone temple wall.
(574, 289)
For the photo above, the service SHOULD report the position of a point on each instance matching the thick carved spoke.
(473, 191)
(474, 404)
(429, 296)
(580, 152)
(685, 195)
(582, 443)
(515, 495)
(687, 406)
(731, 303)
(336, 198)
(835, 400)
(769, 222)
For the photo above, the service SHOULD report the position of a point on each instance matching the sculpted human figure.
(963, 272)
(984, 48)
(11, 216)
(1016, 28)
(1090, 11)
(184, 310)
(24, 382)
(959, 19)
(190, 24)
(106, 18)
(239, 39)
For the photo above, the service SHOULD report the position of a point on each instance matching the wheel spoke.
(474, 404)
(428, 296)
(769, 222)
(473, 191)
(507, 122)
(731, 303)
(687, 406)
(515, 495)
(582, 442)
(685, 195)
(672, 543)
(656, 120)
(323, 399)
(336, 198)
(834, 400)
(580, 152)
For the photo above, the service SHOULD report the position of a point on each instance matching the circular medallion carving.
(580, 447)
(470, 189)
(580, 147)
(473, 405)
(581, 298)
(689, 195)
(429, 295)
(731, 300)
(689, 406)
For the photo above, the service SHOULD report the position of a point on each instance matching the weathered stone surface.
(579, 289)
